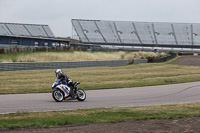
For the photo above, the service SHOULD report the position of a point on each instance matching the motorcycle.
(63, 91)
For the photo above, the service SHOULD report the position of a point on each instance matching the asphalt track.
(136, 96)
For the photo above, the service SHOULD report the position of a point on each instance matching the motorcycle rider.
(66, 81)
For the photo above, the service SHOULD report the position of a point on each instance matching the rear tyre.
(58, 96)
(81, 95)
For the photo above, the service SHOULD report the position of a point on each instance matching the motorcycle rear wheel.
(58, 96)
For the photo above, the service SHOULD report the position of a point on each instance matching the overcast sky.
(58, 13)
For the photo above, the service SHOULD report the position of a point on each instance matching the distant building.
(28, 35)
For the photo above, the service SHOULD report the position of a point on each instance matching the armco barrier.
(137, 61)
(56, 65)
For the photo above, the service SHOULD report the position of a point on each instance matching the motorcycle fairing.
(64, 89)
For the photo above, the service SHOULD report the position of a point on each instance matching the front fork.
(58, 92)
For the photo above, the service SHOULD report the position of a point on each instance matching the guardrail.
(18, 66)
(138, 61)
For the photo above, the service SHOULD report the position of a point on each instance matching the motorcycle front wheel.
(57, 95)
(81, 95)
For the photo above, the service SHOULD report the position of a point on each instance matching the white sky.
(58, 13)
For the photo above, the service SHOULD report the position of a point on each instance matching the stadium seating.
(128, 33)
(28, 30)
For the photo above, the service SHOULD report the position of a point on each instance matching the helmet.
(58, 73)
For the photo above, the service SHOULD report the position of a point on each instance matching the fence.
(20, 48)
(55, 65)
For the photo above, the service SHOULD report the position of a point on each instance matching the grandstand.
(143, 34)
(28, 30)
(36, 35)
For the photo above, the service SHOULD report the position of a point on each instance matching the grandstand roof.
(25, 30)
(133, 33)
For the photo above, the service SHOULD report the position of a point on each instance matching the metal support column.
(28, 30)
(76, 31)
(192, 34)
(154, 33)
(83, 31)
(45, 31)
(9, 29)
(73, 31)
(174, 34)
(100, 32)
(137, 33)
(117, 32)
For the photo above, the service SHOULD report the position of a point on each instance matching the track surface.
(137, 96)
(188, 60)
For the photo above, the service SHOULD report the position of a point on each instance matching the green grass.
(21, 120)
(100, 77)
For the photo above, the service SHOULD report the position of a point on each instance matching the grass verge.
(47, 119)
(74, 56)
(100, 77)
